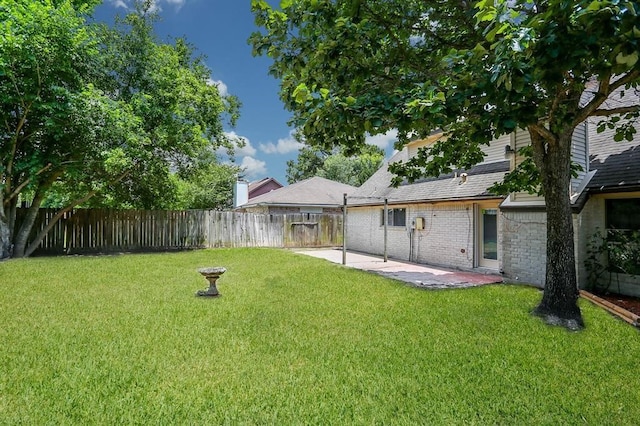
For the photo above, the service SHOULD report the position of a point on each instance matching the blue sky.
(219, 29)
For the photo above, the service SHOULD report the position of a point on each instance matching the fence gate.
(303, 234)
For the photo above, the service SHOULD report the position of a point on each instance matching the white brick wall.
(524, 242)
(365, 234)
(524, 246)
(626, 284)
(591, 219)
(447, 238)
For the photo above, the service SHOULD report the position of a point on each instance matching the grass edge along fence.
(87, 231)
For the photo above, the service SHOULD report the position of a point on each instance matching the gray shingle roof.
(443, 188)
(315, 191)
(617, 163)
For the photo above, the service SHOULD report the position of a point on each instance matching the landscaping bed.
(631, 304)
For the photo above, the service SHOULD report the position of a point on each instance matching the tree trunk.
(20, 239)
(5, 229)
(5, 239)
(559, 301)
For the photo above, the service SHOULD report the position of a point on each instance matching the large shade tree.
(473, 70)
(335, 165)
(88, 108)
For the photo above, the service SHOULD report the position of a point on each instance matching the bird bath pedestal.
(212, 275)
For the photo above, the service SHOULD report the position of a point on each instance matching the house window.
(623, 234)
(623, 214)
(395, 217)
(312, 210)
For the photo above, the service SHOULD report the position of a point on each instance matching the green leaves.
(116, 161)
(92, 108)
(432, 104)
(260, 5)
(353, 67)
(628, 60)
(337, 166)
(301, 93)
(486, 11)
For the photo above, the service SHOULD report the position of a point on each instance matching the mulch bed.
(631, 304)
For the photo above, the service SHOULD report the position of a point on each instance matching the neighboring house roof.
(315, 191)
(450, 187)
(262, 186)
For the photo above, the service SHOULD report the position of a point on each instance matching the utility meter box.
(419, 223)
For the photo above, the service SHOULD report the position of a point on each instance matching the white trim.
(509, 202)
(481, 261)
(585, 181)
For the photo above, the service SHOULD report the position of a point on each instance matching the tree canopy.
(473, 70)
(335, 165)
(93, 110)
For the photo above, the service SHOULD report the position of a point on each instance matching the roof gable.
(315, 191)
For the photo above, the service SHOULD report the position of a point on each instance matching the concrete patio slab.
(415, 274)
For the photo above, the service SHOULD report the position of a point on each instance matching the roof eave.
(427, 200)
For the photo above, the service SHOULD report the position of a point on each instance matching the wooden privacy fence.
(84, 231)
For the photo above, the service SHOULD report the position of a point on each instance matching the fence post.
(385, 220)
(344, 229)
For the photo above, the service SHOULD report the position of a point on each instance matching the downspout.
(411, 231)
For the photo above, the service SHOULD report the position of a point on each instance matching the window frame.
(397, 217)
(609, 210)
(619, 236)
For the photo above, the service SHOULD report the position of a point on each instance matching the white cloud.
(247, 149)
(177, 3)
(222, 88)
(253, 168)
(154, 7)
(384, 140)
(119, 3)
(284, 146)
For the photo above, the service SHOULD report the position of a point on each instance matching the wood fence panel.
(86, 231)
(313, 230)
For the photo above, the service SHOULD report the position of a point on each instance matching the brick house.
(314, 195)
(263, 186)
(453, 221)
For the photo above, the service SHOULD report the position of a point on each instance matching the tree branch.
(20, 187)
(14, 144)
(615, 111)
(537, 143)
(604, 90)
(545, 133)
(44, 231)
(559, 98)
(624, 80)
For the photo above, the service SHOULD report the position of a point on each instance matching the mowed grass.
(293, 340)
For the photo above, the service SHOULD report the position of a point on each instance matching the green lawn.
(294, 339)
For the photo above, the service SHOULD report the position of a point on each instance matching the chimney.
(240, 193)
